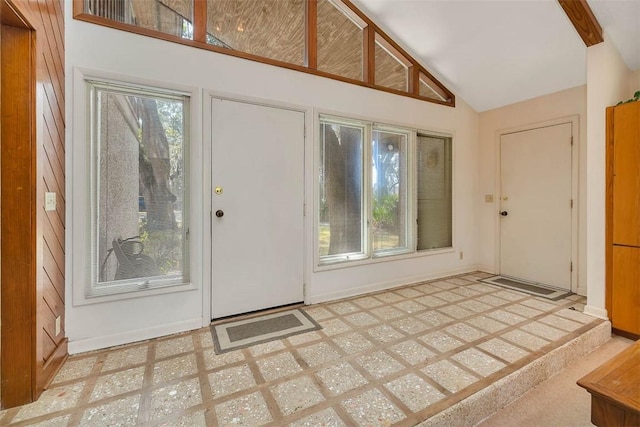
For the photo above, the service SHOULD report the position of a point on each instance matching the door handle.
(219, 213)
(504, 213)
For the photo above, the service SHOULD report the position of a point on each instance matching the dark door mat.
(243, 333)
(536, 289)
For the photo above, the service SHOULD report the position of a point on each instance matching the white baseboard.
(97, 343)
(380, 286)
(596, 312)
(486, 269)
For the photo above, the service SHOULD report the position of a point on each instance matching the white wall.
(607, 84)
(563, 104)
(91, 47)
(634, 82)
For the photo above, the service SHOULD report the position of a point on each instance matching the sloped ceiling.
(495, 53)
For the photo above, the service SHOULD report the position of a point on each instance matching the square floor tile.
(465, 332)
(544, 331)
(352, 343)
(449, 296)
(389, 297)
(561, 323)
(486, 324)
(297, 394)
(434, 318)
(450, 376)
(231, 380)
(523, 310)
(412, 352)
(117, 383)
(343, 307)
(441, 341)
(304, 338)
(319, 313)
(123, 412)
(176, 367)
(410, 325)
(478, 362)
(456, 311)
(334, 327)
(51, 400)
(361, 319)
(340, 378)
(278, 366)
(367, 302)
(443, 284)
(575, 315)
(317, 354)
(174, 346)
(175, 398)
(326, 418)
(503, 350)
(387, 312)
(465, 291)
(511, 295)
(491, 300)
(414, 392)
(459, 281)
(506, 317)
(427, 288)
(372, 409)
(213, 360)
(539, 305)
(379, 364)
(431, 301)
(248, 410)
(266, 348)
(384, 333)
(75, 368)
(409, 306)
(476, 306)
(206, 340)
(194, 419)
(409, 292)
(525, 339)
(125, 357)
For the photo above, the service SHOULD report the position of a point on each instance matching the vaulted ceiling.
(494, 53)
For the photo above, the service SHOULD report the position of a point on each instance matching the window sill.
(82, 299)
(348, 263)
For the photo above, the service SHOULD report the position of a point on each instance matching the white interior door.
(535, 205)
(258, 171)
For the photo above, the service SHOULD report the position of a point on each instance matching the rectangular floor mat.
(530, 288)
(233, 335)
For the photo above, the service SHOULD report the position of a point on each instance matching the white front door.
(257, 206)
(535, 205)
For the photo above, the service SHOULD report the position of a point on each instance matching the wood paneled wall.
(46, 233)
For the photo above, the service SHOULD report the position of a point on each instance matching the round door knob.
(504, 213)
(219, 213)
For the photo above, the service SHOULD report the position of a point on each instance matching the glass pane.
(339, 42)
(140, 184)
(173, 17)
(434, 192)
(340, 227)
(390, 71)
(389, 179)
(429, 89)
(271, 29)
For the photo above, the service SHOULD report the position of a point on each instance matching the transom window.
(139, 224)
(391, 195)
(331, 38)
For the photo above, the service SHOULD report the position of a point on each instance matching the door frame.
(575, 176)
(207, 188)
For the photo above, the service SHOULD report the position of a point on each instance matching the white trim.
(105, 341)
(381, 286)
(574, 120)
(598, 312)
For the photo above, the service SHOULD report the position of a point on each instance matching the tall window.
(139, 225)
(394, 214)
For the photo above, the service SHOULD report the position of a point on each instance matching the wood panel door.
(626, 174)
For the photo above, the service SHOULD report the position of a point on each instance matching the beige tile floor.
(396, 357)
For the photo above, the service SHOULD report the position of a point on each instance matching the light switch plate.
(49, 201)
(58, 325)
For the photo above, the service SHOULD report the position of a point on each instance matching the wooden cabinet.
(623, 218)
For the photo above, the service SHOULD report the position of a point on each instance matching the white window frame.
(80, 188)
(369, 255)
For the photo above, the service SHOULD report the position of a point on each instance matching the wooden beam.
(311, 28)
(369, 55)
(583, 20)
(200, 21)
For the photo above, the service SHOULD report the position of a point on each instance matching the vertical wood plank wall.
(50, 348)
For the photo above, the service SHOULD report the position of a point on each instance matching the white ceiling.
(493, 53)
